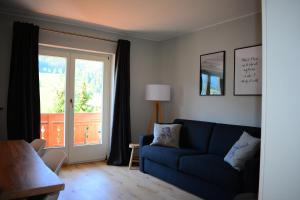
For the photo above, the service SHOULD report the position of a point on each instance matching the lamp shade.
(158, 92)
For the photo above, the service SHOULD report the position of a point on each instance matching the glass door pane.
(88, 101)
(52, 74)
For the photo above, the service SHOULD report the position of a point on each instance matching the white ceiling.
(150, 19)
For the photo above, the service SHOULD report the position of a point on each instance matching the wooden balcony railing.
(87, 129)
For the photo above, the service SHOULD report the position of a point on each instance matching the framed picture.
(212, 74)
(247, 71)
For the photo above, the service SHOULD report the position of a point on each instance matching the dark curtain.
(121, 133)
(23, 103)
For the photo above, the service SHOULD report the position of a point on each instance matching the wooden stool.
(132, 159)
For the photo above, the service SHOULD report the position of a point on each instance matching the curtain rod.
(76, 34)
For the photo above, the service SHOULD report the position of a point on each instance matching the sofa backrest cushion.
(195, 134)
(224, 136)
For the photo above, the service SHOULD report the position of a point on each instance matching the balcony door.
(74, 95)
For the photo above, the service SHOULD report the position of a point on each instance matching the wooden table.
(132, 159)
(23, 173)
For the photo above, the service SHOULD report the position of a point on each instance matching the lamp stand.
(157, 116)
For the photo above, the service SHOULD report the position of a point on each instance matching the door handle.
(71, 102)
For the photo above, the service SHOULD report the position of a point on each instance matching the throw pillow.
(243, 150)
(166, 135)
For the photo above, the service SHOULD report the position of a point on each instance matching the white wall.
(175, 62)
(280, 160)
(180, 58)
(144, 63)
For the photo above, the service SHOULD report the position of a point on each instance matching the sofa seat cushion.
(211, 168)
(167, 156)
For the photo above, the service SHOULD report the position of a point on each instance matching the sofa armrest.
(251, 175)
(145, 140)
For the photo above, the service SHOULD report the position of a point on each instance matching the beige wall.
(179, 65)
(144, 63)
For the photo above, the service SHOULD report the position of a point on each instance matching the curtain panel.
(23, 103)
(121, 130)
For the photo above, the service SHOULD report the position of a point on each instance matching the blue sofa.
(198, 165)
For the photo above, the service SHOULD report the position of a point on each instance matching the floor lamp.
(157, 93)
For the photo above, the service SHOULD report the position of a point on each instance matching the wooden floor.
(99, 181)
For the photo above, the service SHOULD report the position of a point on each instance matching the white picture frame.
(248, 71)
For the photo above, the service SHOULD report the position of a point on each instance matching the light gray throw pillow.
(166, 135)
(243, 150)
